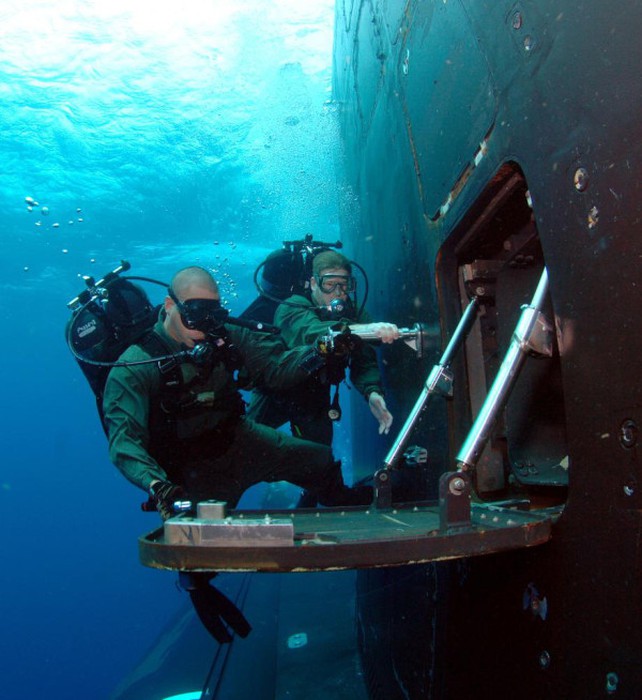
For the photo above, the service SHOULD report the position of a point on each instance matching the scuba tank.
(109, 316)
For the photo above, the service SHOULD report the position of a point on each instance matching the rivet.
(581, 179)
(529, 43)
(612, 681)
(593, 217)
(544, 659)
(628, 434)
(517, 20)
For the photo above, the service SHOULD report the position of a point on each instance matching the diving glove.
(339, 343)
(165, 494)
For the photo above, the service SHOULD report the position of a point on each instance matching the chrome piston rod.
(439, 382)
(532, 334)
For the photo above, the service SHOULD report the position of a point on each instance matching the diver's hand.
(166, 494)
(380, 412)
(345, 342)
(337, 344)
(388, 332)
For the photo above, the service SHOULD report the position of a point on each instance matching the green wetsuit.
(198, 437)
(306, 406)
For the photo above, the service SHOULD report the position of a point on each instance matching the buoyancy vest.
(186, 414)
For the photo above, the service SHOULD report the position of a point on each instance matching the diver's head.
(193, 306)
(331, 278)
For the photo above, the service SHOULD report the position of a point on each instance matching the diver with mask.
(177, 428)
(303, 319)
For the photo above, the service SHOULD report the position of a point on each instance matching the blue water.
(166, 137)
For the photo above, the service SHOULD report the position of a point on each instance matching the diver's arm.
(300, 324)
(126, 411)
(366, 378)
(268, 363)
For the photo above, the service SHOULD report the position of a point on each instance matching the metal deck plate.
(331, 538)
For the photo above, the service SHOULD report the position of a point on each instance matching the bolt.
(383, 476)
(612, 682)
(628, 434)
(544, 659)
(457, 486)
(581, 179)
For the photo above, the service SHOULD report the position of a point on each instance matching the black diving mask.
(206, 315)
(328, 283)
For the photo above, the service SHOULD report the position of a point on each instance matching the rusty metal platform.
(330, 539)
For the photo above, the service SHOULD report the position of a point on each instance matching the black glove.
(339, 344)
(345, 343)
(166, 494)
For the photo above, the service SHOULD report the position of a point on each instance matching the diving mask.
(328, 283)
(206, 315)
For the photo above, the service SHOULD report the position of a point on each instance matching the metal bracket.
(382, 489)
(454, 501)
(534, 333)
(212, 527)
(440, 381)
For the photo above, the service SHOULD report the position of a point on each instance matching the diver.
(177, 428)
(303, 319)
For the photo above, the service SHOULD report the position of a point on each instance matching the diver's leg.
(264, 454)
(317, 428)
(266, 409)
(313, 428)
(213, 478)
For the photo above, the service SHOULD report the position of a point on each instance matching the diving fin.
(214, 609)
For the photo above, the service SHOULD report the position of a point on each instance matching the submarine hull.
(484, 142)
